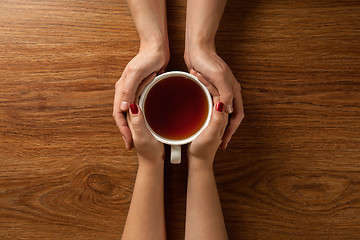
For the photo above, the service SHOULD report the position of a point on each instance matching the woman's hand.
(204, 218)
(150, 60)
(202, 21)
(221, 80)
(148, 149)
(204, 147)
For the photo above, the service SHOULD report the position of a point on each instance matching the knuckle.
(220, 70)
(115, 114)
(186, 56)
(118, 83)
(139, 141)
(163, 59)
(143, 142)
(219, 119)
(137, 124)
(125, 91)
(237, 86)
(134, 68)
(238, 116)
(228, 95)
(242, 116)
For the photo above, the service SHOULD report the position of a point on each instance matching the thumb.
(137, 122)
(218, 121)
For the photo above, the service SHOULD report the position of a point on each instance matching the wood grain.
(292, 170)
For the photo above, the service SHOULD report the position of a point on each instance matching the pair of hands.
(211, 70)
(202, 150)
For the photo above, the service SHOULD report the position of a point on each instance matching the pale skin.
(204, 218)
(146, 216)
(150, 20)
(202, 21)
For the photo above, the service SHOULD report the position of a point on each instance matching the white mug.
(176, 144)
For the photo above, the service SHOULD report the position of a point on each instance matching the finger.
(223, 82)
(121, 123)
(218, 122)
(143, 84)
(137, 121)
(226, 92)
(235, 120)
(123, 128)
(127, 137)
(125, 90)
(213, 91)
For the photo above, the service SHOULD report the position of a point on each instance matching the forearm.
(204, 218)
(202, 21)
(146, 217)
(150, 20)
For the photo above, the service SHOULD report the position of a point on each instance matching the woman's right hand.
(205, 61)
(150, 60)
(149, 150)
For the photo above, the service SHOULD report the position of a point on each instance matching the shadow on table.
(232, 27)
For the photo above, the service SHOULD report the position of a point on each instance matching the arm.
(146, 217)
(204, 218)
(202, 21)
(150, 20)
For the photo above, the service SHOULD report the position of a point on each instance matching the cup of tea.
(176, 107)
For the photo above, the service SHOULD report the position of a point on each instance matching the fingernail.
(133, 108)
(229, 108)
(219, 106)
(124, 106)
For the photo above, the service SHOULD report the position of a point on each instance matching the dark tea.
(176, 108)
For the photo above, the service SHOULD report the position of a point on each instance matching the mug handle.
(175, 157)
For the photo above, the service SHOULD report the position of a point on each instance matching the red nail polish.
(133, 108)
(219, 106)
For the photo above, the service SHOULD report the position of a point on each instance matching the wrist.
(200, 164)
(198, 47)
(157, 43)
(151, 164)
(199, 43)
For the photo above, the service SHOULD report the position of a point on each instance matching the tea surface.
(176, 108)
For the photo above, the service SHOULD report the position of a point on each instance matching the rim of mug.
(173, 74)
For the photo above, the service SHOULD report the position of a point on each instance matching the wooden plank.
(291, 170)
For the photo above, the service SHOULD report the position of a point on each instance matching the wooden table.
(292, 170)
